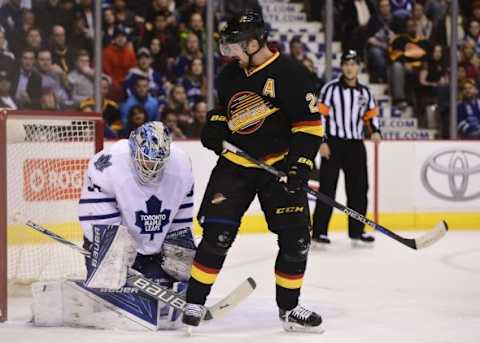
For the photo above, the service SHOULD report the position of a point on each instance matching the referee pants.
(351, 157)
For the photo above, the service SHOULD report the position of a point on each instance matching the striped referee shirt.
(347, 111)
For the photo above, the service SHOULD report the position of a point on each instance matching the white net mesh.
(46, 161)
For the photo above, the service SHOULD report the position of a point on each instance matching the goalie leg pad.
(47, 305)
(70, 303)
(113, 251)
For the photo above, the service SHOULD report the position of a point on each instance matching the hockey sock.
(205, 269)
(288, 280)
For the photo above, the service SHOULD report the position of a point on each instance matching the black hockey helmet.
(349, 55)
(243, 26)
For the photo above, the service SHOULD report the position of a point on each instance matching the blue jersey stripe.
(98, 217)
(95, 201)
(188, 205)
(183, 220)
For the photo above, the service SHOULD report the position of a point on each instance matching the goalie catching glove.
(112, 252)
(178, 251)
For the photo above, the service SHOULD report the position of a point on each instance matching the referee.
(349, 110)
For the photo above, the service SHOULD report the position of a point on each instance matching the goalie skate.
(300, 319)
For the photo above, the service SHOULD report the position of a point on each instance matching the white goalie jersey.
(112, 195)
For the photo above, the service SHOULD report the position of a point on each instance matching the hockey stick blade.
(422, 242)
(218, 310)
(152, 289)
(432, 236)
(177, 301)
(225, 305)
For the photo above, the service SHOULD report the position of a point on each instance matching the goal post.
(43, 158)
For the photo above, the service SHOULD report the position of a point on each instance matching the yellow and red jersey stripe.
(312, 127)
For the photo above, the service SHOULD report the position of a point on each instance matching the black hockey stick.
(152, 289)
(423, 241)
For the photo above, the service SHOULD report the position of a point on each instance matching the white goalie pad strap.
(113, 252)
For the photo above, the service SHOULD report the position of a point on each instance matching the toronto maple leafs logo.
(154, 220)
(103, 162)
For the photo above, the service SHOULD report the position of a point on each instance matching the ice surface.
(388, 294)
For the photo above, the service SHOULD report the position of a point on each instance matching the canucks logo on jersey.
(247, 112)
(154, 220)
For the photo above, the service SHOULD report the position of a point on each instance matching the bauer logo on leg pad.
(159, 293)
(103, 236)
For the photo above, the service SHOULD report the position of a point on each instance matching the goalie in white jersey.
(136, 212)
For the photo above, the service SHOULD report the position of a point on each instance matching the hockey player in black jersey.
(267, 107)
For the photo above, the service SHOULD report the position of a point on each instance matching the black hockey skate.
(364, 240)
(193, 314)
(301, 320)
(320, 243)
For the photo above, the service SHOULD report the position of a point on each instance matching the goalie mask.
(150, 150)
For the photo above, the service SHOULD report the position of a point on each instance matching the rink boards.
(412, 186)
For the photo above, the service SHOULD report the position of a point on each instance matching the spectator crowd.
(154, 57)
(153, 61)
(406, 44)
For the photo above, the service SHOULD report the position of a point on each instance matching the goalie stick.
(167, 296)
(421, 242)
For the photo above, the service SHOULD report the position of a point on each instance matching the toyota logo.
(457, 167)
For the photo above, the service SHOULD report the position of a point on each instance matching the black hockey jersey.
(269, 111)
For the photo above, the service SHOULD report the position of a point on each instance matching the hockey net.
(43, 159)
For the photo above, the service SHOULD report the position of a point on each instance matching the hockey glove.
(214, 132)
(296, 179)
(178, 251)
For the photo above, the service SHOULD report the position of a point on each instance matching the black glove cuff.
(302, 170)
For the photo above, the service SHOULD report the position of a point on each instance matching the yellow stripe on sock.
(203, 276)
(289, 282)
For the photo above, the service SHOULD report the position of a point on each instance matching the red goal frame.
(4, 115)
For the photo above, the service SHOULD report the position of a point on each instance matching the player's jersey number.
(312, 102)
